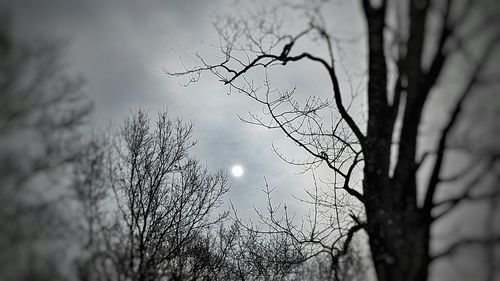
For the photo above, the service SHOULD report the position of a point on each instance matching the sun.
(237, 171)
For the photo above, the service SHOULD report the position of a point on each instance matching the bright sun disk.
(237, 171)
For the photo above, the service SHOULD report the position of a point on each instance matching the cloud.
(120, 47)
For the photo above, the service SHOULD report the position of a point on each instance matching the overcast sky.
(120, 47)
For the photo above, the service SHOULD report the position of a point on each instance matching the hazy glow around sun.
(237, 171)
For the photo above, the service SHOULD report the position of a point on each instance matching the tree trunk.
(398, 230)
(398, 233)
(399, 249)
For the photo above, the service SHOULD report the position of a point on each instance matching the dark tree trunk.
(399, 250)
(398, 238)
(398, 231)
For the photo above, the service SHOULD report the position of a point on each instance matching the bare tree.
(413, 50)
(238, 252)
(91, 195)
(42, 113)
(318, 247)
(147, 215)
(160, 204)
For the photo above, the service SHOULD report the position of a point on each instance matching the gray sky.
(120, 47)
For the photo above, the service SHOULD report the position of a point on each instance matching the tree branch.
(434, 178)
(466, 242)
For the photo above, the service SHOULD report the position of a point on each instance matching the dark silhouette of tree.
(148, 205)
(236, 252)
(309, 250)
(148, 213)
(412, 50)
(41, 117)
(259, 256)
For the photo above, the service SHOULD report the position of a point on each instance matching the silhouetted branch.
(466, 242)
(434, 178)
